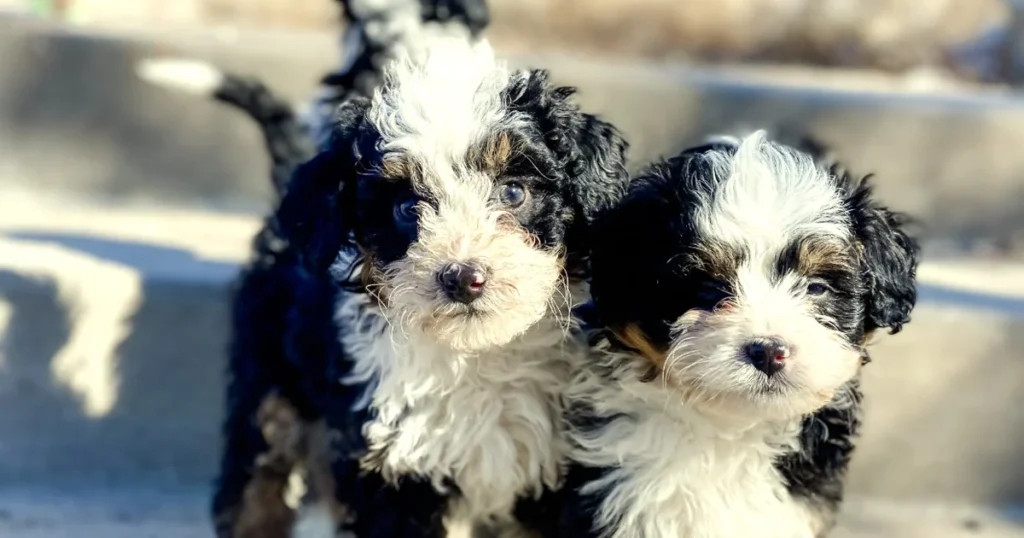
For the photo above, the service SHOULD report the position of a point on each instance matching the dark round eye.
(513, 195)
(405, 211)
(817, 289)
(711, 293)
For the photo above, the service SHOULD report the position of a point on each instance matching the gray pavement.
(135, 514)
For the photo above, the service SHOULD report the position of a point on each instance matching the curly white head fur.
(774, 222)
(445, 128)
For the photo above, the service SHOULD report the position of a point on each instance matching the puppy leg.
(258, 367)
(411, 509)
(321, 514)
(265, 512)
(410, 506)
(243, 443)
(262, 450)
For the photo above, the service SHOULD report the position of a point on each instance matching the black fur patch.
(818, 470)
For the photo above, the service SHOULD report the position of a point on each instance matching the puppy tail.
(287, 141)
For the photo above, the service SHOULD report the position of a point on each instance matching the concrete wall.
(74, 117)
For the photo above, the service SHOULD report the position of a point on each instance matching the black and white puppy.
(735, 289)
(431, 256)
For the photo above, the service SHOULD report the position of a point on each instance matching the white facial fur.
(489, 422)
(770, 197)
(434, 108)
(675, 471)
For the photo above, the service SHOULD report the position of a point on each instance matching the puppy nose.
(462, 282)
(767, 354)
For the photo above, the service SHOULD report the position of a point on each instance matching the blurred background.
(125, 211)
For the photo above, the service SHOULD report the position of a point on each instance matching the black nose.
(767, 354)
(462, 282)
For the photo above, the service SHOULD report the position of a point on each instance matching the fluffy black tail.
(287, 139)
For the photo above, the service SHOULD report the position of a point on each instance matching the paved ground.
(141, 515)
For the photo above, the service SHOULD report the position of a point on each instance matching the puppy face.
(467, 189)
(749, 276)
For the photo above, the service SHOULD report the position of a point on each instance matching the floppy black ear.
(597, 181)
(629, 245)
(315, 213)
(590, 153)
(889, 260)
(635, 241)
(598, 172)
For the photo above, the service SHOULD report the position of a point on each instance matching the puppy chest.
(494, 441)
(706, 494)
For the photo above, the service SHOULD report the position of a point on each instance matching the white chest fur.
(679, 474)
(487, 422)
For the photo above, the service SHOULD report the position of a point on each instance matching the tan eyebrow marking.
(493, 154)
(395, 168)
(817, 256)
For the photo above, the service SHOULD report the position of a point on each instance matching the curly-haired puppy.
(417, 298)
(735, 289)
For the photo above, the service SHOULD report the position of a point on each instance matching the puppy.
(412, 294)
(259, 473)
(734, 291)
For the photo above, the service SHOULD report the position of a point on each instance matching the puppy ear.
(889, 260)
(599, 169)
(590, 152)
(632, 245)
(597, 179)
(314, 215)
(620, 260)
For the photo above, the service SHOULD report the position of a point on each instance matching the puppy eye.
(817, 289)
(512, 195)
(405, 211)
(712, 293)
